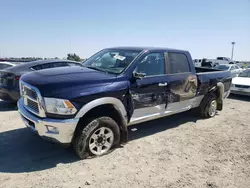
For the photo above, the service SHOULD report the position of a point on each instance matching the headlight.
(59, 106)
(232, 85)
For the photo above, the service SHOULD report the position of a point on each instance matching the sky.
(53, 28)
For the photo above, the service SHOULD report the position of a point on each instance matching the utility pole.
(232, 55)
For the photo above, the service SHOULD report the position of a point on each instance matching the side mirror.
(138, 75)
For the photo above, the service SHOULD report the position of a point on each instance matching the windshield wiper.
(95, 68)
(101, 69)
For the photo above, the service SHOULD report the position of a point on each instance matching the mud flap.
(219, 104)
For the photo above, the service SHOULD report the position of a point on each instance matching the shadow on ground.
(239, 97)
(7, 106)
(23, 151)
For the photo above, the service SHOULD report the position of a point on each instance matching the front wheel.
(97, 138)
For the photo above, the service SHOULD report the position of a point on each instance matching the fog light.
(52, 129)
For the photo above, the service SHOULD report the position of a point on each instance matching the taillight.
(17, 77)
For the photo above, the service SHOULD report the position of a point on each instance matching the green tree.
(73, 57)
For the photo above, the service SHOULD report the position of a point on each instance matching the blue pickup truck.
(90, 107)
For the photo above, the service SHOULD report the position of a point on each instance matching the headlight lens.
(232, 85)
(59, 106)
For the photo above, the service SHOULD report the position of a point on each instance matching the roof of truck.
(145, 48)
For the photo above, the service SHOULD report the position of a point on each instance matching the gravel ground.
(178, 151)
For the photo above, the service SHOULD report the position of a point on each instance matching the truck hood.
(56, 81)
(241, 81)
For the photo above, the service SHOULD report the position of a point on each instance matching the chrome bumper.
(56, 130)
(246, 93)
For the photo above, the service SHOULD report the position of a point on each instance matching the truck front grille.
(30, 93)
(33, 106)
(32, 99)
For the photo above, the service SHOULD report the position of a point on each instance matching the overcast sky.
(54, 28)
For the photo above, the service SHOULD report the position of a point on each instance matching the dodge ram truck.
(90, 107)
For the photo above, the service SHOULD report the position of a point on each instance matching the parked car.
(91, 107)
(241, 84)
(4, 65)
(9, 77)
(220, 60)
(234, 69)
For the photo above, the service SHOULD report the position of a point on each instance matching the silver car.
(234, 69)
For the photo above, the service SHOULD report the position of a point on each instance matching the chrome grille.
(32, 99)
(30, 93)
(33, 105)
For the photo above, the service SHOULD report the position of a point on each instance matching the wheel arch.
(107, 106)
(218, 90)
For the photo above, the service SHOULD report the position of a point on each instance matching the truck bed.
(205, 69)
(210, 77)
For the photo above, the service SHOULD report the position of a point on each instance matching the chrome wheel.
(212, 108)
(101, 141)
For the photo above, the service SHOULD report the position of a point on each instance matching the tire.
(98, 137)
(208, 107)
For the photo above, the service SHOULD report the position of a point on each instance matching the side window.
(60, 64)
(4, 66)
(152, 64)
(177, 63)
(48, 66)
(232, 67)
(73, 64)
(37, 67)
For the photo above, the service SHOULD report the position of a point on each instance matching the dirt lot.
(178, 151)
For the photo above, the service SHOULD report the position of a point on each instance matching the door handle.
(163, 84)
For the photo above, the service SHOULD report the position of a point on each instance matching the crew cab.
(90, 107)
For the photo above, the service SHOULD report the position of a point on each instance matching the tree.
(73, 57)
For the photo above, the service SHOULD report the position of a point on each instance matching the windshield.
(222, 67)
(245, 74)
(111, 60)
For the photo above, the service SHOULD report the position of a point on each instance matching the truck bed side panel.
(208, 80)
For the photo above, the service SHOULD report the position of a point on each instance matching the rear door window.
(178, 63)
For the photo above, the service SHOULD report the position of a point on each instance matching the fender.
(101, 101)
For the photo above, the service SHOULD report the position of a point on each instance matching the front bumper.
(56, 130)
(240, 91)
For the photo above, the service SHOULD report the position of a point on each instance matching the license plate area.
(241, 89)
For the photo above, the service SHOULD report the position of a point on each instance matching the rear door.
(182, 83)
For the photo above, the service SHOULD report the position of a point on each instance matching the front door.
(149, 93)
(182, 83)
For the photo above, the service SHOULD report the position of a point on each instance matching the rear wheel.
(208, 107)
(97, 137)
